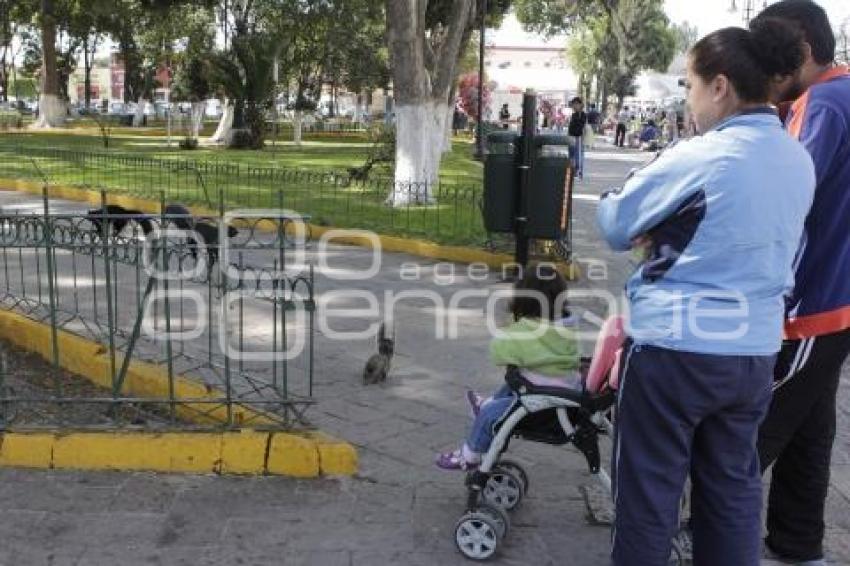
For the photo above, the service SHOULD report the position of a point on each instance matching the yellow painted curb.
(302, 454)
(26, 451)
(291, 455)
(243, 452)
(420, 248)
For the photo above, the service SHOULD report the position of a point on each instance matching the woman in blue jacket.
(720, 218)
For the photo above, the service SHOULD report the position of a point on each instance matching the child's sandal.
(454, 461)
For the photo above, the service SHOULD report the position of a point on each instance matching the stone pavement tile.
(837, 511)
(18, 475)
(586, 547)
(422, 444)
(840, 480)
(60, 529)
(392, 557)
(837, 545)
(90, 478)
(346, 411)
(369, 433)
(148, 493)
(419, 412)
(172, 556)
(265, 533)
(17, 553)
(374, 503)
(113, 553)
(316, 536)
(19, 523)
(236, 496)
(186, 528)
(319, 558)
(58, 496)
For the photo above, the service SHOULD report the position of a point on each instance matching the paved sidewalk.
(400, 509)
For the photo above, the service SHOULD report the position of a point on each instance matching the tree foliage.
(554, 17)
(842, 40)
(686, 36)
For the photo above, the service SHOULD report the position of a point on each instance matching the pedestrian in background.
(578, 122)
(622, 120)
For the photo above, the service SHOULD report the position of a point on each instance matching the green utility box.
(550, 185)
(501, 182)
(550, 194)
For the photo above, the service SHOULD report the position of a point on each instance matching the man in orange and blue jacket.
(798, 433)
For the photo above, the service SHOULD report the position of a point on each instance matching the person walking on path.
(594, 118)
(798, 433)
(504, 116)
(578, 122)
(622, 120)
(720, 217)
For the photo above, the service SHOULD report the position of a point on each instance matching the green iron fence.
(153, 293)
(443, 213)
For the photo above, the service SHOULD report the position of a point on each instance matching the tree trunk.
(51, 110)
(197, 118)
(297, 120)
(225, 124)
(4, 77)
(358, 108)
(448, 127)
(423, 76)
(86, 73)
(420, 138)
(139, 118)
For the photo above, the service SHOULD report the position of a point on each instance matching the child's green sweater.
(553, 353)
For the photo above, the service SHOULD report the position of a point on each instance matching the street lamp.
(748, 9)
(479, 146)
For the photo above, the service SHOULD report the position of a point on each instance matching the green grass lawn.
(297, 177)
(319, 151)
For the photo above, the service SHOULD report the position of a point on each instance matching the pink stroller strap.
(606, 356)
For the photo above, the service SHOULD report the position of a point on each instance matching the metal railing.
(219, 317)
(444, 213)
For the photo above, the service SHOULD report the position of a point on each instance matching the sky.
(707, 15)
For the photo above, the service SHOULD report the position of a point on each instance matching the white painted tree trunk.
(51, 112)
(197, 117)
(138, 119)
(449, 129)
(358, 109)
(224, 125)
(297, 121)
(420, 140)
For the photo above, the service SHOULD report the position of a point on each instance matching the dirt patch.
(34, 394)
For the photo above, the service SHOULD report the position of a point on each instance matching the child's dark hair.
(543, 279)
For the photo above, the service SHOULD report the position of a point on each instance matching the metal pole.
(529, 125)
(48, 241)
(479, 148)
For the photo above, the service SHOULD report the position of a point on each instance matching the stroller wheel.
(477, 536)
(512, 466)
(504, 489)
(497, 514)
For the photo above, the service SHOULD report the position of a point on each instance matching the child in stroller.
(553, 412)
(544, 348)
(551, 395)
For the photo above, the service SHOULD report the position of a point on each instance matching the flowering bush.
(468, 94)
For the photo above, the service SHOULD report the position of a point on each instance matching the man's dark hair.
(576, 100)
(811, 20)
(749, 59)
